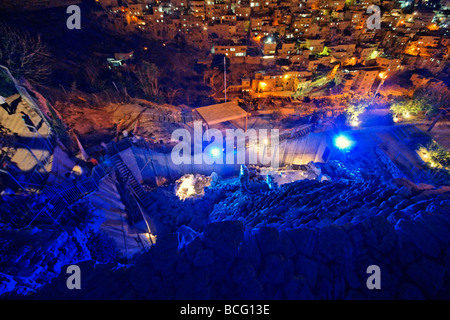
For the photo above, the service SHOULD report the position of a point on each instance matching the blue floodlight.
(214, 152)
(343, 142)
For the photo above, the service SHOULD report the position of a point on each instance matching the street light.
(382, 76)
(262, 85)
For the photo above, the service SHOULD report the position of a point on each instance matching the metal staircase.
(64, 195)
(127, 176)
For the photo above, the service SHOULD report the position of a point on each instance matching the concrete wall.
(147, 164)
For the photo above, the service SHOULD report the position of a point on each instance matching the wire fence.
(62, 196)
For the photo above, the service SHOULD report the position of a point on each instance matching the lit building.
(236, 53)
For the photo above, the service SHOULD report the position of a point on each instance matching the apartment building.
(287, 50)
(198, 8)
(236, 53)
(364, 80)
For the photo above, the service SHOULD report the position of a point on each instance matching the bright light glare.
(354, 123)
(186, 189)
(382, 75)
(214, 152)
(342, 142)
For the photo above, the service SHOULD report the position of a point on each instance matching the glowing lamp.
(215, 152)
(343, 142)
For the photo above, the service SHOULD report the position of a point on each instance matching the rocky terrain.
(31, 257)
(305, 240)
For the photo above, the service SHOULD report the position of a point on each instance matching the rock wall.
(228, 262)
(305, 240)
(31, 257)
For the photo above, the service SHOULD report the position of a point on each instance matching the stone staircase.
(113, 218)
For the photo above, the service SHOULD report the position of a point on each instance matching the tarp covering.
(221, 112)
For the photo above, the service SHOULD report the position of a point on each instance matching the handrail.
(140, 209)
(35, 130)
(15, 180)
(67, 189)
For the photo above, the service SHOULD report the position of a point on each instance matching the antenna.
(225, 76)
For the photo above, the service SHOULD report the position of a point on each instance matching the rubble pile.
(31, 257)
(305, 240)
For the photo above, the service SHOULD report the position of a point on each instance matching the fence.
(38, 173)
(64, 195)
(151, 116)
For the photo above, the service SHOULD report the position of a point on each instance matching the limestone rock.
(297, 289)
(268, 240)
(225, 237)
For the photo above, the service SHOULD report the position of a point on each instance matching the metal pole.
(225, 76)
(376, 91)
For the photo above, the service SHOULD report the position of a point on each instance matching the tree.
(218, 62)
(148, 78)
(433, 98)
(216, 79)
(91, 75)
(171, 93)
(354, 110)
(439, 156)
(415, 105)
(24, 55)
